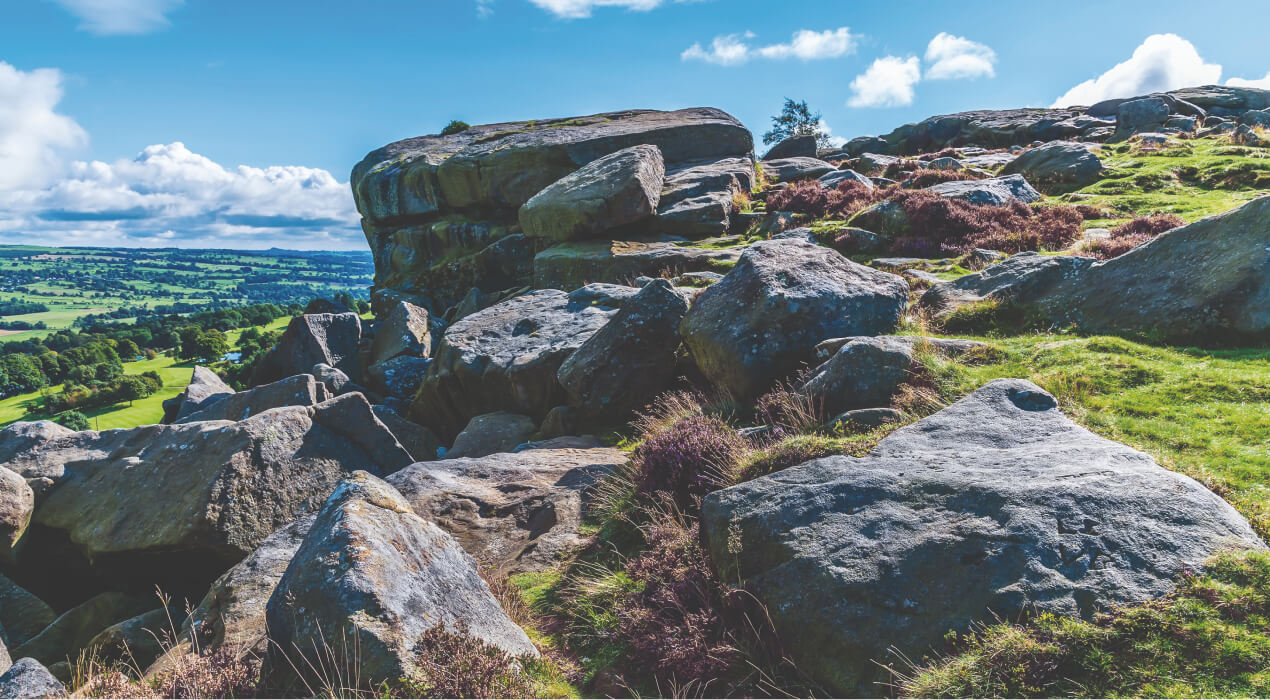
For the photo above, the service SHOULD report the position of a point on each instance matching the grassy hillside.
(175, 373)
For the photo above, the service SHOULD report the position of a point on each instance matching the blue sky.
(235, 124)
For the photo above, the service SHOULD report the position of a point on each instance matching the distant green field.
(176, 376)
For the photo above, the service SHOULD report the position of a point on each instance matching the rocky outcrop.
(370, 577)
(628, 361)
(1146, 114)
(1025, 512)
(1204, 282)
(795, 169)
(312, 338)
(420, 442)
(28, 678)
(300, 390)
(205, 386)
(803, 146)
(985, 128)
(504, 358)
(440, 212)
(1057, 165)
(177, 505)
(609, 192)
(399, 377)
(762, 321)
(492, 432)
(863, 373)
(513, 512)
(16, 503)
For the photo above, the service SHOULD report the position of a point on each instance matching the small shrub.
(955, 225)
(689, 458)
(455, 664)
(789, 411)
(1108, 248)
(224, 673)
(73, 420)
(897, 170)
(1148, 225)
(455, 127)
(945, 153)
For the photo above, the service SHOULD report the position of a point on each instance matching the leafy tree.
(131, 387)
(208, 346)
(796, 119)
(74, 420)
(455, 126)
(127, 349)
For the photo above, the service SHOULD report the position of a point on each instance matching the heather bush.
(689, 458)
(788, 411)
(455, 664)
(955, 225)
(810, 198)
(1108, 248)
(896, 170)
(1148, 225)
(945, 153)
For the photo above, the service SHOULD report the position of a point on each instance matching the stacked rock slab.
(440, 212)
(996, 506)
(1204, 282)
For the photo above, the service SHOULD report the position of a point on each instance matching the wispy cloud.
(888, 82)
(954, 57)
(805, 44)
(109, 17)
(577, 9)
(1162, 62)
(484, 8)
(1263, 83)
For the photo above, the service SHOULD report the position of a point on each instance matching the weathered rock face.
(177, 505)
(205, 386)
(1141, 115)
(573, 265)
(765, 317)
(22, 615)
(75, 629)
(1026, 511)
(435, 207)
(1204, 282)
(837, 177)
(137, 640)
(795, 169)
(370, 577)
(629, 360)
(863, 373)
(334, 381)
(1057, 164)
(312, 338)
(696, 199)
(611, 191)
(420, 442)
(986, 128)
(399, 377)
(16, 503)
(5, 660)
(404, 331)
(803, 146)
(504, 358)
(27, 678)
(513, 512)
(492, 432)
(300, 390)
(996, 191)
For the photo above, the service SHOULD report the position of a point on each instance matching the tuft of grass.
(1209, 639)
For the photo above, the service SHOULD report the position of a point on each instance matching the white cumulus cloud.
(576, 9)
(34, 138)
(1263, 83)
(725, 50)
(954, 57)
(1162, 62)
(121, 16)
(888, 82)
(805, 44)
(810, 45)
(166, 195)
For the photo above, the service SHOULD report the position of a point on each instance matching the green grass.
(1210, 639)
(1191, 178)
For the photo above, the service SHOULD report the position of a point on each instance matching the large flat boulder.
(801, 146)
(762, 321)
(795, 169)
(514, 512)
(367, 580)
(994, 507)
(330, 339)
(628, 361)
(573, 265)
(697, 197)
(177, 505)
(1205, 282)
(995, 191)
(22, 615)
(992, 128)
(504, 358)
(300, 390)
(489, 433)
(609, 192)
